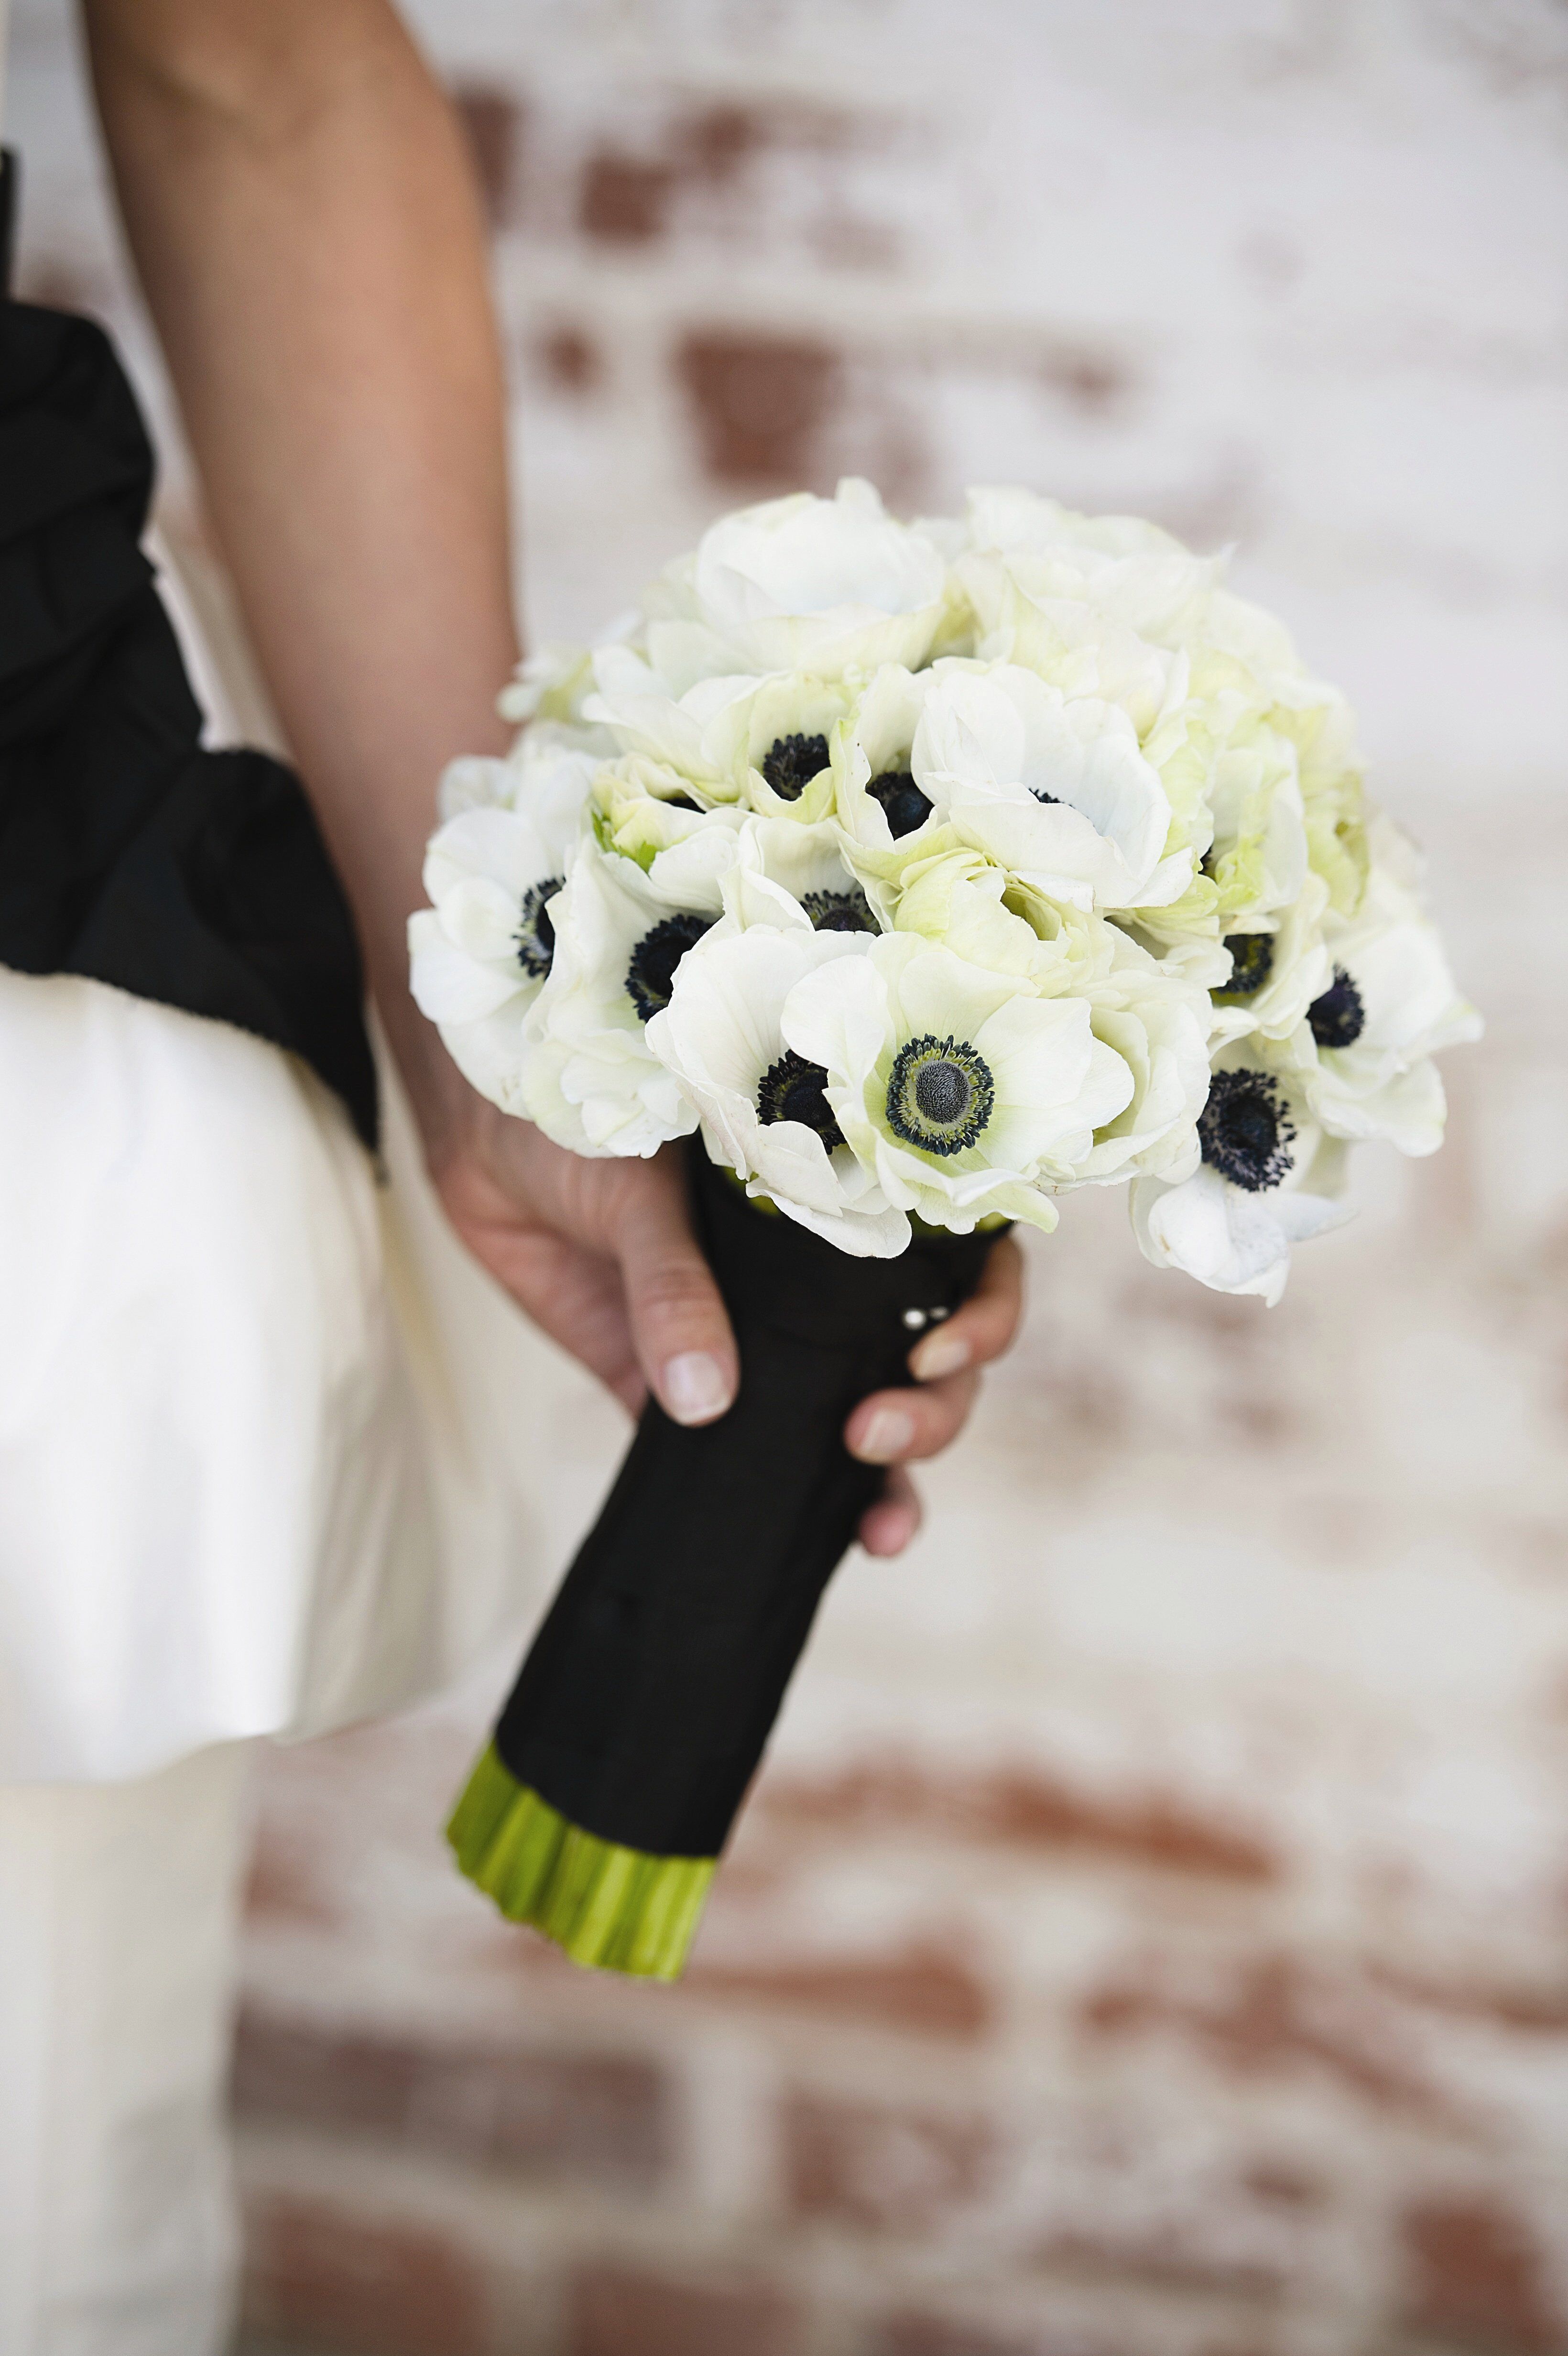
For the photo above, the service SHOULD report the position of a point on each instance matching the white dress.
(265, 1465)
(263, 1460)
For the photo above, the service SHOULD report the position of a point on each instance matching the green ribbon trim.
(616, 1909)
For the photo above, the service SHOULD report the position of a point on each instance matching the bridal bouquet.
(919, 875)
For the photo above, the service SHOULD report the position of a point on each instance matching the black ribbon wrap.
(128, 852)
(644, 1704)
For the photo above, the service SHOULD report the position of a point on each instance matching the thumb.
(679, 1327)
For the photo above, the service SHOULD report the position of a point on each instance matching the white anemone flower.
(806, 584)
(731, 739)
(592, 1081)
(1268, 1178)
(481, 953)
(1364, 1050)
(963, 1094)
(881, 803)
(1055, 789)
(1278, 967)
(794, 878)
(761, 1105)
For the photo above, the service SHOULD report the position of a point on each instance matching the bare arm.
(304, 222)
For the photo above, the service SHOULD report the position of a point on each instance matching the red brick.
(1542, 2011)
(571, 361)
(1025, 1809)
(319, 2077)
(624, 198)
(1281, 2186)
(930, 1990)
(1161, 2262)
(759, 403)
(493, 121)
(890, 2170)
(616, 2312)
(1476, 2279)
(1274, 2015)
(911, 2334)
(601, 2117)
(327, 2280)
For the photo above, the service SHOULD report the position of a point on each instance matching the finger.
(905, 1427)
(574, 1294)
(985, 1325)
(887, 1527)
(679, 1327)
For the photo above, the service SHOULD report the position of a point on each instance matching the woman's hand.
(602, 1255)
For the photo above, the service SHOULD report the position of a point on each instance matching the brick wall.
(1149, 1937)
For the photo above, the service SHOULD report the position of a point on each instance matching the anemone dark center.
(791, 1090)
(683, 801)
(650, 977)
(536, 934)
(1042, 795)
(940, 1095)
(1251, 962)
(1246, 1131)
(790, 764)
(902, 800)
(1337, 1018)
(839, 912)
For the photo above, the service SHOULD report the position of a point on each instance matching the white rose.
(1158, 1023)
(821, 586)
(950, 892)
(761, 1105)
(641, 808)
(963, 1094)
(551, 683)
(1268, 1178)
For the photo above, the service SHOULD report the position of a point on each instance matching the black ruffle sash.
(128, 853)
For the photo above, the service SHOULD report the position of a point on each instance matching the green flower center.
(650, 977)
(1337, 1018)
(1251, 962)
(839, 912)
(905, 805)
(535, 933)
(790, 764)
(791, 1090)
(1245, 1131)
(940, 1095)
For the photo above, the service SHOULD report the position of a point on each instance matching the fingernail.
(694, 1388)
(939, 1354)
(888, 1434)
